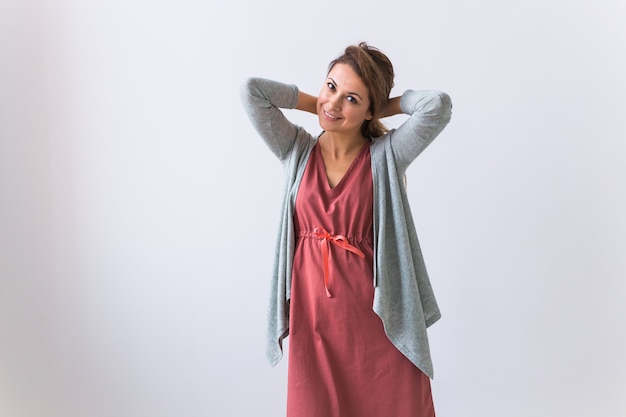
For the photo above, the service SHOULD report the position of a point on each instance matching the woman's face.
(343, 103)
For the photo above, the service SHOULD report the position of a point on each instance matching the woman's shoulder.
(382, 141)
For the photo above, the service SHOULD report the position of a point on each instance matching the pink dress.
(341, 363)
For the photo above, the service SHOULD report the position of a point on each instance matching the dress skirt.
(341, 363)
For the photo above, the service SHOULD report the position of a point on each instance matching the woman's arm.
(429, 112)
(262, 99)
(306, 102)
(391, 108)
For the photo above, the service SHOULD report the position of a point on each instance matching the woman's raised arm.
(306, 102)
(392, 108)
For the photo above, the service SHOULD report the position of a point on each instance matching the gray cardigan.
(403, 296)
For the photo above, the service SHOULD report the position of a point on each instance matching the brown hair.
(376, 72)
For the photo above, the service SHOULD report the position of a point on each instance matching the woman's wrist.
(391, 108)
(307, 102)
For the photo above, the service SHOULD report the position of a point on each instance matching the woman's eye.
(331, 86)
(351, 99)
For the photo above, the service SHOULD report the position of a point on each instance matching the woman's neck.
(339, 146)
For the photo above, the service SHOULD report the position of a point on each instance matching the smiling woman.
(348, 257)
(136, 205)
(343, 85)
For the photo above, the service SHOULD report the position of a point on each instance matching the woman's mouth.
(330, 116)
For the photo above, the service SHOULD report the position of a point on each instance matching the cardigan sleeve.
(262, 100)
(430, 112)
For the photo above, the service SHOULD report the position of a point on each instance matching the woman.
(350, 286)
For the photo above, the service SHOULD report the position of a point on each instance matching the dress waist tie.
(338, 240)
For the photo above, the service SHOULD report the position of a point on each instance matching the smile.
(330, 116)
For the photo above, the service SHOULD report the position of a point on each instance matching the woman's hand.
(307, 102)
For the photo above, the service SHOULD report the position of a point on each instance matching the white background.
(138, 208)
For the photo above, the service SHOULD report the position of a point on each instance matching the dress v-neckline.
(346, 175)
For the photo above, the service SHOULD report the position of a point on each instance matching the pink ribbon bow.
(338, 240)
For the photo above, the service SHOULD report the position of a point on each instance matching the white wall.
(138, 208)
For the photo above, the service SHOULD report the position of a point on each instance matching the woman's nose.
(335, 101)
